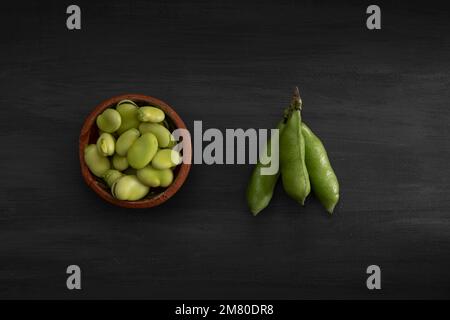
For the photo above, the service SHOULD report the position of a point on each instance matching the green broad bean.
(129, 188)
(155, 178)
(142, 151)
(106, 144)
(111, 175)
(150, 114)
(128, 111)
(109, 121)
(166, 158)
(292, 155)
(119, 162)
(97, 163)
(323, 179)
(260, 188)
(162, 134)
(126, 140)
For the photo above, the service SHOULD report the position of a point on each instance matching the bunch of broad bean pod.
(304, 164)
(134, 150)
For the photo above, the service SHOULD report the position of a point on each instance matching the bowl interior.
(90, 134)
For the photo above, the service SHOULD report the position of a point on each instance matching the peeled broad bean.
(128, 111)
(106, 144)
(150, 114)
(111, 175)
(109, 121)
(166, 158)
(155, 178)
(142, 151)
(129, 188)
(162, 134)
(97, 163)
(120, 163)
(126, 140)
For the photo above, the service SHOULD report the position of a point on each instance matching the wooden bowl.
(89, 134)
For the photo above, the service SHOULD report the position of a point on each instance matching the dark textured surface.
(379, 100)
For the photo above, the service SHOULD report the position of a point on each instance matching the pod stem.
(296, 104)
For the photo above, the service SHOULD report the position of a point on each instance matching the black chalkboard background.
(378, 99)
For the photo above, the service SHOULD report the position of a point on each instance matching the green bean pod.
(323, 179)
(292, 154)
(260, 188)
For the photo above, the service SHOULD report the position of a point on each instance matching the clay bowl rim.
(93, 182)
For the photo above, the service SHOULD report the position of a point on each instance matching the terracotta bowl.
(89, 134)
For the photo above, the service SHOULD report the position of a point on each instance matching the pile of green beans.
(304, 165)
(134, 150)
